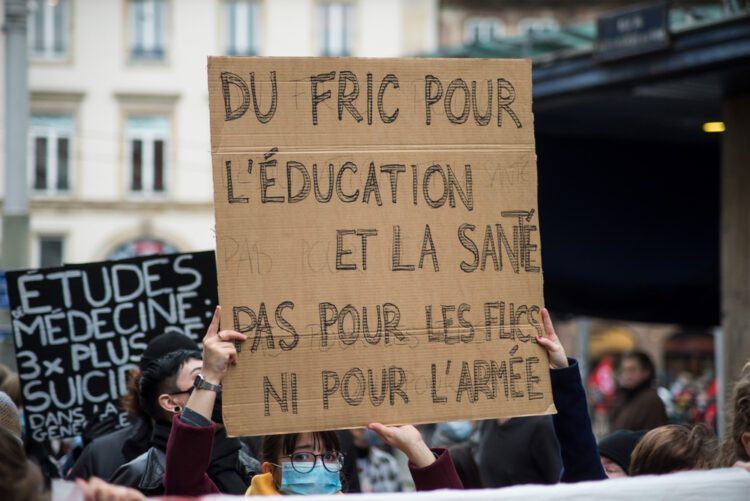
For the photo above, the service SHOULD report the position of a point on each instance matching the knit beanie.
(163, 344)
(9, 417)
(618, 446)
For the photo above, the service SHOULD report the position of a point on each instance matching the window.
(483, 30)
(148, 26)
(146, 138)
(335, 29)
(48, 29)
(538, 25)
(51, 251)
(241, 28)
(50, 151)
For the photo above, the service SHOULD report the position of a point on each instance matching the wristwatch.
(201, 384)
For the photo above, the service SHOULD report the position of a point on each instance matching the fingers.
(213, 328)
(376, 427)
(549, 329)
(85, 488)
(97, 489)
(381, 430)
(231, 336)
(546, 343)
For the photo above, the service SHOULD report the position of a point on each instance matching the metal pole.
(582, 347)
(15, 237)
(719, 371)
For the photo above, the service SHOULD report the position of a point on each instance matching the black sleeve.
(83, 467)
(580, 454)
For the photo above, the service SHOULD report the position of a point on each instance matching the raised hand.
(219, 351)
(408, 440)
(96, 489)
(555, 350)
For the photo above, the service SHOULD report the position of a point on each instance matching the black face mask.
(216, 414)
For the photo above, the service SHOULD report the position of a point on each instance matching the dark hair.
(161, 377)
(738, 413)
(275, 446)
(618, 446)
(466, 467)
(130, 401)
(674, 447)
(643, 360)
(20, 479)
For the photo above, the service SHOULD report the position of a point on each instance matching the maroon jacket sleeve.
(439, 475)
(188, 456)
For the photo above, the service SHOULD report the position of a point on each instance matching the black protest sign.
(79, 329)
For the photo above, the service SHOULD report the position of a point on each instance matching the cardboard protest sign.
(377, 240)
(79, 329)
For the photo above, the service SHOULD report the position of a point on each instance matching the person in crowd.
(672, 448)
(637, 405)
(163, 391)
(106, 453)
(349, 472)
(466, 467)
(12, 386)
(10, 418)
(377, 469)
(165, 387)
(515, 451)
(615, 450)
(38, 452)
(20, 479)
(572, 423)
(298, 463)
(464, 433)
(736, 445)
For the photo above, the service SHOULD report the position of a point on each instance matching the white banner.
(729, 484)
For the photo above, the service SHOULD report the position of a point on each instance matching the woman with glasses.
(297, 463)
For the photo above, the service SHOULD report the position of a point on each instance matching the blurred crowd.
(176, 443)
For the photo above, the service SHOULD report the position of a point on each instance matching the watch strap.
(201, 384)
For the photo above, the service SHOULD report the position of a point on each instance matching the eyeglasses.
(304, 462)
(189, 391)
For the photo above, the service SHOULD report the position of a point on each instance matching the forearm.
(439, 474)
(188, 456)
(419, 454)
(202, 402)
(580, 455)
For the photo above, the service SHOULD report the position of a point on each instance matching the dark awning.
(628, 182)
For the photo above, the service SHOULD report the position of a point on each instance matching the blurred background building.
(118, 145)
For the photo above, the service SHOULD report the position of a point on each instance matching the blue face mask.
(317, 481)
(457, 430)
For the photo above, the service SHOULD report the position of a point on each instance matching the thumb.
(379, 429)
